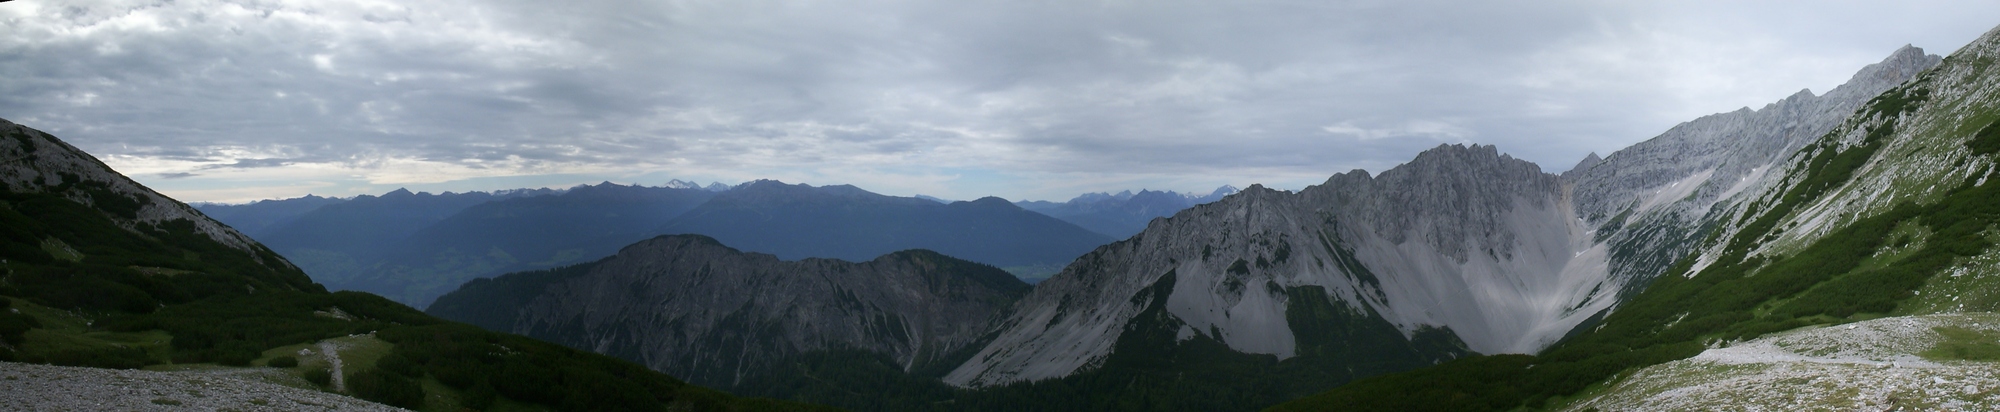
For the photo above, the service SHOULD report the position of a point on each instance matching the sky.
(233, 101)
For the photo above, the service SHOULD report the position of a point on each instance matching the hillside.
(101, 271)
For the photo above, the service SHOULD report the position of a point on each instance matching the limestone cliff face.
(1458, 239)
(689, 306)
(37, 162)
(1465, 240)
(1650, 202)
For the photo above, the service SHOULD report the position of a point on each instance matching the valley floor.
(1898, 363)
(31, 387)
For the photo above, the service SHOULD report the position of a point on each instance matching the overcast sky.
(241, 100)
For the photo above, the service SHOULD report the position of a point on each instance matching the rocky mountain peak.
(681, 184)
(1225, 190)
(1900, 66)
(1585, 164)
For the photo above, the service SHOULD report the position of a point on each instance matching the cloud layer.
(237, 100)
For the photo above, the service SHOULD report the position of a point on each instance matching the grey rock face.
(1458, 238)
(691, 307)
(1650, 201)
(36, 161)
(1467, 240)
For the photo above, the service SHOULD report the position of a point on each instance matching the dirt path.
(332, 353)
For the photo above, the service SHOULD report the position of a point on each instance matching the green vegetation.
(497, 298)
(319, 376)
(1987, 141)
(13, 325)
(386, 387)
(1962, 343)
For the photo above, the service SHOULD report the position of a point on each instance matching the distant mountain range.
(683, 184)
(1122, 214)
(413, 247)
(845, 222)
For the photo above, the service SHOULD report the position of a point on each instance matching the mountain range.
(1825, 251)
(1463, 240)
(1461, 256)
(413, 247)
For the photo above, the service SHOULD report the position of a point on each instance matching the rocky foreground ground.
(1872, 365)
(30, 387)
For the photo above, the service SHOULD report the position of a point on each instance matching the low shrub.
(387, 388)
(319, 376)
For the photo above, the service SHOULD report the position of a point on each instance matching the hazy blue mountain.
(1123, 214)
(335, 242)
(258, 218)
(845, 222)
(412, 247)
(581, 224)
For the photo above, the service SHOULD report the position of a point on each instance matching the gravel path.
(30, 387)
(332, 353)
(1870, 365)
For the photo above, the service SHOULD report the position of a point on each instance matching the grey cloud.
(250, 164)
(1178, 90)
